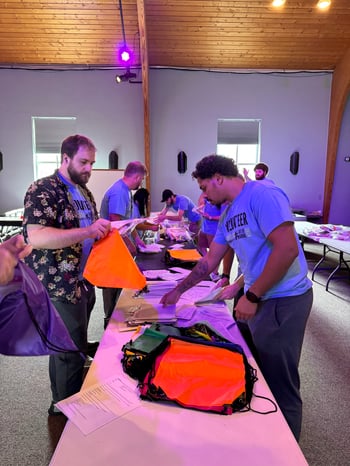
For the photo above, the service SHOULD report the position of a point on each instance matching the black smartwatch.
(252, 297)
(225, 275)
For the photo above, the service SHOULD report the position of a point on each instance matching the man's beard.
(78, 178)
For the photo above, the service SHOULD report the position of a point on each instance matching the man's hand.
(99, 229)
(170, 298)
(11, 251)
(224, 281)
(245, 310)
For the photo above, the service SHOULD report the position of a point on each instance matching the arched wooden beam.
(339, 95)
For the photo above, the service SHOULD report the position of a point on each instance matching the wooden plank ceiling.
(206, 34)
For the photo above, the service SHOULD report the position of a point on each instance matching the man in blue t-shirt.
(183, 206)
(258, 225)
(117, 204)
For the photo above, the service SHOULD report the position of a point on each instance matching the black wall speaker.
(181, 162)
(113, 160)
(1, 165)
(294, 163)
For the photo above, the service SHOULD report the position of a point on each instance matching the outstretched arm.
(203, 268)
(42, 237)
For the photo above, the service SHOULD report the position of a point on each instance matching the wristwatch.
(252, 297)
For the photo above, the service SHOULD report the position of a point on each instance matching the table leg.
(323, 258)
(341, 260)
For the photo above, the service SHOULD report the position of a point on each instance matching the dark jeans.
(66, 369)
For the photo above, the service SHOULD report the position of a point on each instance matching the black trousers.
(110, 298)
(66, 369)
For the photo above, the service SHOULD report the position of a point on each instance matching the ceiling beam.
(145, 84)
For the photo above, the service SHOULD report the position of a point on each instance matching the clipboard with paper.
(147, 308)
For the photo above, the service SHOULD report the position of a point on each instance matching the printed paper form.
(101, 403)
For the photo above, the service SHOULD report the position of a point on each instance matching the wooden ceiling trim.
(220, 30)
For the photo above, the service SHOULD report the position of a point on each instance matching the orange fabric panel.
(200, 375)
(185, 254)
(111, 265)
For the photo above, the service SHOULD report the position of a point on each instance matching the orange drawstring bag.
(110, 264)
(207, 376)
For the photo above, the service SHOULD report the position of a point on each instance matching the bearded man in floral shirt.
(61, 223)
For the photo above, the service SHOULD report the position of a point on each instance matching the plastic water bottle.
(157, 235)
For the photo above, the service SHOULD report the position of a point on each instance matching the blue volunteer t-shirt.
(186, 204)
(85, 214)
(245, 226)
(117, 200)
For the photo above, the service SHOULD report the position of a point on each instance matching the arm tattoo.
(199, 272)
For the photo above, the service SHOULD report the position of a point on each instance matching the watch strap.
(252, 297)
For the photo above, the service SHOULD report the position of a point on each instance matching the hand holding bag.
(29, 323)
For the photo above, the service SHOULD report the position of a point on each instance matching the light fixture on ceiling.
(124, 53)
(322, 4)
(277, 3)
(127, 76)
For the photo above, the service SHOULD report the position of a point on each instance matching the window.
(240, 140)
(48, 134)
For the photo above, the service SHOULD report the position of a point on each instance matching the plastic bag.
(29, 323)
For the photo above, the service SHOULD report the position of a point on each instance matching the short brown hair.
(135, 168)
(71, 144)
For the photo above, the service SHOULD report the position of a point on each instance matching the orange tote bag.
(110, 264)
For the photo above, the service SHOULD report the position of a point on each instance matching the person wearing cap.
(183, 206)
(261, 170)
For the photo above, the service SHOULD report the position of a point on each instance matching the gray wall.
(109, 113)
(184, 109)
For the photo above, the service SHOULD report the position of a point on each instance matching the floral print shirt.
(49, 203)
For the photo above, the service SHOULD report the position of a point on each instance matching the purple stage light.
(125, 55)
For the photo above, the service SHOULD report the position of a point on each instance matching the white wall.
(185, 107)
(109, 113)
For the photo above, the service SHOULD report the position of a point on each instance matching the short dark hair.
(262, 166)
(135, 168)
(212, 164)
(71, 144)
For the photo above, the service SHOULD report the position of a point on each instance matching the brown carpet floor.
(28, 436)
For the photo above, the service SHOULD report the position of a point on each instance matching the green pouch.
(139, 354)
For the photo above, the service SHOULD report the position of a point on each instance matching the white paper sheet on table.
(151, 248)
(209, 298)
(162, 274)
(101, 403)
